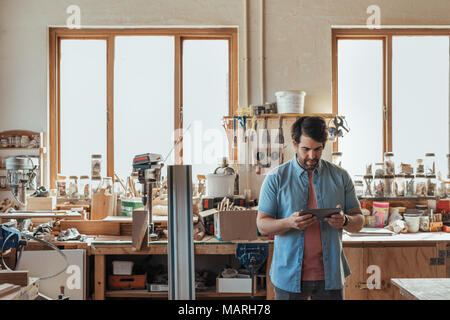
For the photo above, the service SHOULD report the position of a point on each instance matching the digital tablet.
(322, 213)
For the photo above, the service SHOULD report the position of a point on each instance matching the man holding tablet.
(308, 260)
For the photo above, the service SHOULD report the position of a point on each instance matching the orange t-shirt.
(312, 254)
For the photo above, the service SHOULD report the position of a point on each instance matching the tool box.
(120, 282)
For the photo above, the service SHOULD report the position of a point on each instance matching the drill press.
(148, 166)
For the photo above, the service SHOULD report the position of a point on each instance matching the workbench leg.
(99, 288)
(270, 293)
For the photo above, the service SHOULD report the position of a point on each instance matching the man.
(308, 260)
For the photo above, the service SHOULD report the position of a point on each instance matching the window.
(122, 92)
(392, 86)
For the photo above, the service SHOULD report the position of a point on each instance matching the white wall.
(297, 42)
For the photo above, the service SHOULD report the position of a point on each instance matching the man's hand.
(301, 222)
(336, 220)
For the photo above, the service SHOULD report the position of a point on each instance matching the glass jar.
(95, 185)
(420, 168)
(359, 188)
(389, 181)
(4, 142)
(431, 186)
(400, 185)
(368, 188)
(447, 188)
(96, 165)
(379, 169)
(85, 191)
(61, 185)
(107, 184)
(3, 183)
(378, 186)
(369, 169)
(336, 158)
(410, 190)
(389, 165)
(72, 188)
(421, 185)
(429, 164)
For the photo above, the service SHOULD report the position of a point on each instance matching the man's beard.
(308, 164)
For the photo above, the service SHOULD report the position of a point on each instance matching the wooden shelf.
(200, 294)
(399, 199)
(290, 115)
(20, 149)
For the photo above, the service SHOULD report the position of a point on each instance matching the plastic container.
(291, 101)
(389, 164)
(429, 163)
(124, 268)
(421, 185)
(218, 185)
(389, 186)
(130, 204)
(96, 165)
(410, 190)
(400, 185)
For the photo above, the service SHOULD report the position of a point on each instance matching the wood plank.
(14, 277)
(92, 227)
(7, 289)
(355, 259)
(99, 277)
(270, 289)
(139, 231)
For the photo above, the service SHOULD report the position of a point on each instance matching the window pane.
(420, 99)
(360, 100)
(83, 104)
(205, 102)
(143, 99)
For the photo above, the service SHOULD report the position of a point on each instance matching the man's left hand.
(336, 220)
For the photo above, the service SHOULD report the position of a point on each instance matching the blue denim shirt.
(285, 191)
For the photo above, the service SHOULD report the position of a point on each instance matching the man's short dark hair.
(313, 127)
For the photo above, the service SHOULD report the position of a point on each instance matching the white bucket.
(220, 185)
(290, 101)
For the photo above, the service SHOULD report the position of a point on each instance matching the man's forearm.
(273, 226)
(355, 222)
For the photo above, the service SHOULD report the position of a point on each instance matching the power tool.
(148, 166)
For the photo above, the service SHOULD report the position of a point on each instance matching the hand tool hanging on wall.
(263, 157)
(276, 156)
(235, 145)
(253, 141)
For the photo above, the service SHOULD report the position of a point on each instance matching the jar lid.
(84, 177)
(73, 177)
(368, 176)
(379, 176)
(96, 178)
(96, 156)
(420, 176)
(429, 155)
(389, 176)
(431, 176)
(388, 154)
(400, 175)
(336, 154)
(409, 176)
(60, 177)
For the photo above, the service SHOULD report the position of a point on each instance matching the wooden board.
(353, 283)
(29, 292)
(102, 205)
(92, 227)
(7, 289)
(14, 277)
(139, 231)
(424, 289)
(37, 214)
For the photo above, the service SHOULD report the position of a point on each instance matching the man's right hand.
(301, 222)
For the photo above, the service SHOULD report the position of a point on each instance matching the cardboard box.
(41, 203)
(235, 285)
(235, 225)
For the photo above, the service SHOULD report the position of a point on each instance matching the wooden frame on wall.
(56, 34)
(384, 34)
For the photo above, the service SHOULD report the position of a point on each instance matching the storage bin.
(291, 101)
(122, 267)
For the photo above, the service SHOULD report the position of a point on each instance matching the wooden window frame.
(384, 34)
(57, 34)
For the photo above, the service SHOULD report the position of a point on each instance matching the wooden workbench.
(113, 245)
(424, 289)
(410, 255)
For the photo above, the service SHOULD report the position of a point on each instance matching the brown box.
(41, 203)
(235, 225)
